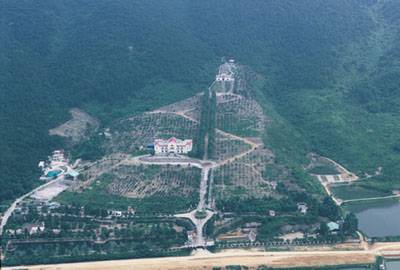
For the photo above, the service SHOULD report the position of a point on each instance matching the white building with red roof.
(172, 146)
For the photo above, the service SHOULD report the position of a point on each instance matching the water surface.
(393, 265)
(378, 219)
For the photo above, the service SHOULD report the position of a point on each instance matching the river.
(378, 219)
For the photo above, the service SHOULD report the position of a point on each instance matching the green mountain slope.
(331, 72)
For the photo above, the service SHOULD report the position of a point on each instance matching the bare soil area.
(77, 127)
(251, 259)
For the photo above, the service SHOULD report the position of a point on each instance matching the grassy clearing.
(364, 205)
(324, 170)
(350, 192)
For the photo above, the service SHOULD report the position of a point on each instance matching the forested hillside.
(331, 72)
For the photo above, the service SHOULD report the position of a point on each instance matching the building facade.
(172, 146)
(224, 77)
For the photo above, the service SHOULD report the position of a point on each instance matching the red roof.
(172, 139)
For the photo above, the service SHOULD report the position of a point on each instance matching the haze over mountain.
(331, 70)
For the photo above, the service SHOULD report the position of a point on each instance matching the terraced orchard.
(146, 188)
(129, 135)
(226, 147)
(146, 181)
(240, 116)
(245, 177)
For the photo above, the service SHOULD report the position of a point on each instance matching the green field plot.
(351, 192)
(147, 189)
(324, 170)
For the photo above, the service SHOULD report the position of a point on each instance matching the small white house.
(271, 213)
(33, 228)
(302, 207)
(116, 213)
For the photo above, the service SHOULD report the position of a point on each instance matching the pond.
(378, 219)
(393, 265)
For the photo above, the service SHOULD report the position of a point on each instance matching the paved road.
(200, 240)
(206, 166)
(203, 187)
(182, 161)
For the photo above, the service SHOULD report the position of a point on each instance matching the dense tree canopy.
(330, 67)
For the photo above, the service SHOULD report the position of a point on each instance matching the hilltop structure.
(172, 146)
(225, 72)
(224, 77)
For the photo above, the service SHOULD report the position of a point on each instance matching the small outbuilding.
(333, 226)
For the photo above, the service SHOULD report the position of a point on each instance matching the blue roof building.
(333, 226)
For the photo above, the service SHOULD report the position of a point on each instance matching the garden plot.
(146, 181)
(136, 132)
(241, 116)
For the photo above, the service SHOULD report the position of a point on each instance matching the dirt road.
(230, 257)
